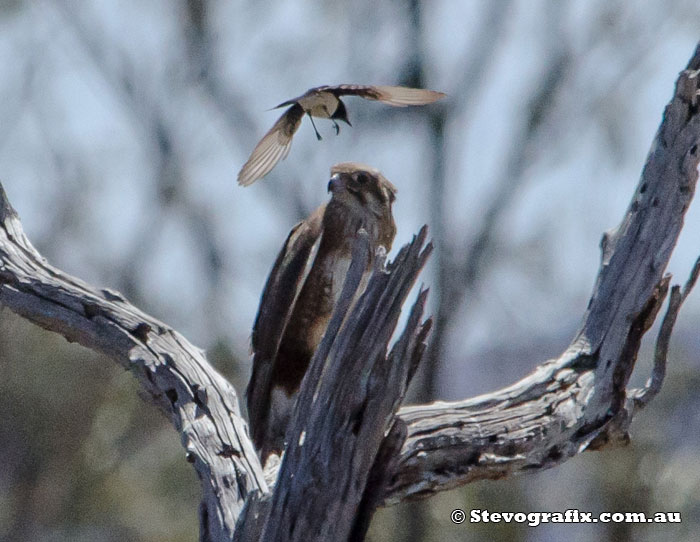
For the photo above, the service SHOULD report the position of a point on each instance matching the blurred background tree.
(124, 124)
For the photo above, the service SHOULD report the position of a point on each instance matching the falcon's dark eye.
(362, 178)
(353, 186)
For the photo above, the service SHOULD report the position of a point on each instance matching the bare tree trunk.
(349, 450)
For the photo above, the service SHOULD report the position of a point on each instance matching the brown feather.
(281, 289)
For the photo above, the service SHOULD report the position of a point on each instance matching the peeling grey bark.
(578, 401)
(355, 453)
(347, 403)
(173, 373)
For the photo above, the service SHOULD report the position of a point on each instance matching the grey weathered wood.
(201, 403)
(345, 407)
(347, 402)
(576, 402)
(580, 400)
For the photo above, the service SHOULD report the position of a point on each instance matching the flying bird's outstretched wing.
(273, 147)
(282, 287)
(324, 102)
(396, 96)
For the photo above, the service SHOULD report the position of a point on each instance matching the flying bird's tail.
(283, 104)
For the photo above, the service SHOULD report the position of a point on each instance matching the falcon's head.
(364, 194)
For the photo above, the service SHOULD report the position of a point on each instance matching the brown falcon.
(302, 290)
(323, 102)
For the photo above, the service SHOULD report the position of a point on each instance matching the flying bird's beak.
(341, 113)
(335, 179)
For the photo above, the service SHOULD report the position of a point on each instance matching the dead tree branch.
(348, 452)
(578, 401)
(175, 375)
(347, 402)
(204, 407)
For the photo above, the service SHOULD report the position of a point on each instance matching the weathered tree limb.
(201, 403)
(345, 407)
(347, 402)
(576, 402)
(203, 406)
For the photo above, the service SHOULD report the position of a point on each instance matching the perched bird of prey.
(302, 290)
(323, 102)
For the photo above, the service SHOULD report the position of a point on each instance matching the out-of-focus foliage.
(83, 458)
(124, 123)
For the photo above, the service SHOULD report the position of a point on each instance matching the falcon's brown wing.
(281, 289)
(396, 96)
(273, 147)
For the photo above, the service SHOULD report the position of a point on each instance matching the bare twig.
(642, 397)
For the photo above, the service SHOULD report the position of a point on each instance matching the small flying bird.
(323, 102)
(303, 289)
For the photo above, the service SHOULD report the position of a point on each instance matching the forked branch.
(345, 430)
